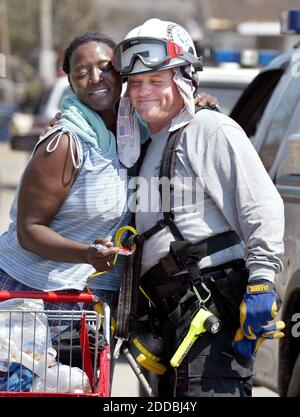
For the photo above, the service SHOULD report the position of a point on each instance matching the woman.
(72, 192)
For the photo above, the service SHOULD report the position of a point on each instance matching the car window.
(250, 107)
(280, 122)
(227, 95)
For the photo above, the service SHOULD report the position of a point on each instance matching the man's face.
(156, 97)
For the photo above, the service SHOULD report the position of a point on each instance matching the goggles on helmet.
(152, 52)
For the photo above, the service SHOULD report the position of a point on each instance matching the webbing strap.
(201, 249)
(161, 224)
(127, 296)
(167, 166)
(167, 169)
(206, 247)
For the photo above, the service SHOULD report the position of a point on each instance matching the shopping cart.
(50, 349)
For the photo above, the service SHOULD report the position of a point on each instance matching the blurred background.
(34, 33)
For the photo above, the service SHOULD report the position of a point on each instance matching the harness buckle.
(139, 239)
(169, 218)
(162, 223)
(166, 221)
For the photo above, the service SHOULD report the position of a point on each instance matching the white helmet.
(155, 45)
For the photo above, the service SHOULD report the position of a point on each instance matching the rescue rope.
(118, 237)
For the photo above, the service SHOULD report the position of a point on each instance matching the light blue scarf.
(87, 124)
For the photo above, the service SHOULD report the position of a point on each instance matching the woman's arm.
(45, 185)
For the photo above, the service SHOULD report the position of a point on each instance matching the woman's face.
(93, 78)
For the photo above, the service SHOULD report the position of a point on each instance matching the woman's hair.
(80, 40)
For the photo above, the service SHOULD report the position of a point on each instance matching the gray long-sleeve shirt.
(231, 191)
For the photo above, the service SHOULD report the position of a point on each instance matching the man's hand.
(258, 309)
(257, 313)
(245, 349)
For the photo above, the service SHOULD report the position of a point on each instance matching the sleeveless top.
(95, 207)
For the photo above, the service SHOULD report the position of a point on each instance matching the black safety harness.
(183, 255)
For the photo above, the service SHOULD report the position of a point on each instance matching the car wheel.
(294, 384)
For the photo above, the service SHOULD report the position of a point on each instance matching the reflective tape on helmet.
(144, 351)
(151, 366)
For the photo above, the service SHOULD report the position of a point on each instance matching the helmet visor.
(152, 52)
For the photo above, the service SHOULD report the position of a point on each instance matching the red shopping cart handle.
(51, 296)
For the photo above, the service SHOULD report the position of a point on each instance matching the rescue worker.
(234, 208)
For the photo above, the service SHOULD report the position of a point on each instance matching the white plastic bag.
(23, 328)
(62, 378)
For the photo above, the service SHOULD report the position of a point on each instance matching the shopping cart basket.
(60, 334)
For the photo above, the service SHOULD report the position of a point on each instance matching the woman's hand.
(204, 99)
(100, 258)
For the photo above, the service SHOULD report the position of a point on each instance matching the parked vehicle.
(227, 83)
(47, 108)
(269, 111)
